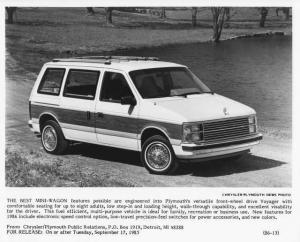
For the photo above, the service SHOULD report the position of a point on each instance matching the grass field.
(35, 169)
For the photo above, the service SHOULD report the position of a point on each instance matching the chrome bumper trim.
(224, 144)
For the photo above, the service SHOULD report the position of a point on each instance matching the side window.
(114, 86)
(51, 81)
(81, 84)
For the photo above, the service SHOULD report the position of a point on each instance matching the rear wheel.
(52, 138)
(158, 156)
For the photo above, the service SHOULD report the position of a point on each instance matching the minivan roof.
(125, 63)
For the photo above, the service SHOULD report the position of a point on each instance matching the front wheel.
(158, 156)
(52, 138)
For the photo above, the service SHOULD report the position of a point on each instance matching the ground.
(42, 34)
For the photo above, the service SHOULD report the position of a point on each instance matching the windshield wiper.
(185, 94)
(210, 92)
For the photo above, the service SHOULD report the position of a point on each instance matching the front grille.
(225, 129)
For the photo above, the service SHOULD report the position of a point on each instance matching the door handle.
(100, 115)
(88, 115)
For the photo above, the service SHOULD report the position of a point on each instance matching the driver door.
(116, 124)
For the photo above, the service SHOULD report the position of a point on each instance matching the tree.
(194, 17)
(263, 15)
(286, 11)
(227, 13)
(218, 14)
(10, 14)
(163, 13)
(90, 11)
(108, 13)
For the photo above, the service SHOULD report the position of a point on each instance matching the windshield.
(167, 82)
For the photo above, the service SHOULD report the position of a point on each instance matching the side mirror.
(128, 100)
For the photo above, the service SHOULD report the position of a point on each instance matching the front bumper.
(215, 150)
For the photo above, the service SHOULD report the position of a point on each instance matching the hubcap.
(49, 138)
(158, 156)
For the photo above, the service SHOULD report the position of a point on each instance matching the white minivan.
(138, 103)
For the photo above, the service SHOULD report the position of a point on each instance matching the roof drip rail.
(105, 59)
(99, 61)
(117, 57)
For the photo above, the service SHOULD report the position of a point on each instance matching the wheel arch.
(45, 117)
(151, 131)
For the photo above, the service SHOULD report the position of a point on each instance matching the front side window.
(167, 82)
(114, 87)
(51, 81)
(81, 84)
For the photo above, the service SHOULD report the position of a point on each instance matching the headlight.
(252, 120)
(252, 129)
(252, 124)
(192, 132)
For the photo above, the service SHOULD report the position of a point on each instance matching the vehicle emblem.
(225, 111)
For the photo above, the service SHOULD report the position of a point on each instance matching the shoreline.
(43, 48)
(36, 51)
(264, 34)
(258, 34)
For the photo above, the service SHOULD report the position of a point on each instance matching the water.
(256, 72)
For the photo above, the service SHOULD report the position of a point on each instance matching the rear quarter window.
(51, 81)
(81, 84)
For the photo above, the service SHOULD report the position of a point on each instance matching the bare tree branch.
(194, 16)
(218, 14)
(263, 16)
(10, 14)
(108, 13)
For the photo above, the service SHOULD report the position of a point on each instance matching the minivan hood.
(203, 107)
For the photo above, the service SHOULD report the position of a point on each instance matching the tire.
(164, 160)
(52, 138)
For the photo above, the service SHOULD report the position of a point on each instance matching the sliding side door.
(78, 105)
